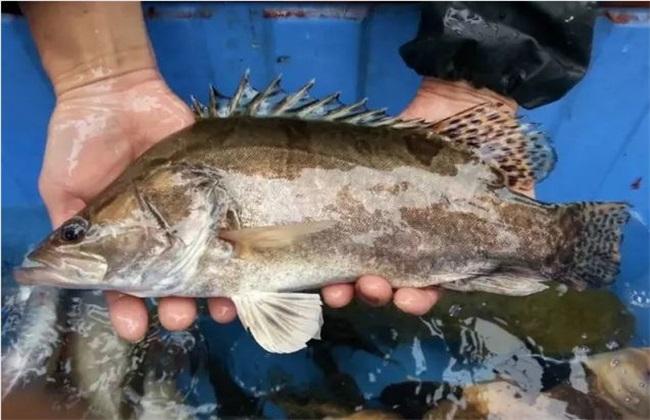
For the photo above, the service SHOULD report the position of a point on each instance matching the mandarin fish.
(272, 194)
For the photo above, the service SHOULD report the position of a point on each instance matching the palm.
(95, 133)
(92, 139)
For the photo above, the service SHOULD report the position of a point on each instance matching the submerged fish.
(502, 400)
(622, 378)
(269, 193)
(616, 387)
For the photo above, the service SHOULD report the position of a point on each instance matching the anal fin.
(280, 322)
(514, 283)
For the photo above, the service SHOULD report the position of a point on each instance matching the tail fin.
(590, 254)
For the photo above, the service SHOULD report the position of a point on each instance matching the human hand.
(436, 100)
(95, 132)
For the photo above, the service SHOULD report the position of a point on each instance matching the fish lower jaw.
(29, 263)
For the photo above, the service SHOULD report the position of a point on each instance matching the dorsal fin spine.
(248, 101)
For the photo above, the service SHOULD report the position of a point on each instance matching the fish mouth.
(33, 273)
(69, 275)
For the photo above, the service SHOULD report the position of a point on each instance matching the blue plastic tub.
(600, 130)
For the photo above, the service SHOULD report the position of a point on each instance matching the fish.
(616, 387)
(97, 358)
(413, 399)
(271, 195)
(503, 400)
(118, 379)
(298, 406)
(65, 337)
(622, 378)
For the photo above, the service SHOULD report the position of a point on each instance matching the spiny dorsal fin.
(522, 154)
(274, 102)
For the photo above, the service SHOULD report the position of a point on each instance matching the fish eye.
(74, 230)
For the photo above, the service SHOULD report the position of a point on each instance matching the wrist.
(117, 70)
(438, 99)
(114, 66)
(87, 42)
(116, 82)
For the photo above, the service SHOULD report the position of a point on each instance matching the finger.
(176, 313)
(415, 301)
(337, 295)
(128, 315)
(222, 310)
(374, 290)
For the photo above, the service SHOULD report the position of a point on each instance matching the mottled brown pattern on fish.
(414, 250)
(287, 145)
(283, 147)
(405, 204)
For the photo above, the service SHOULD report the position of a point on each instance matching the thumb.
(61, 206)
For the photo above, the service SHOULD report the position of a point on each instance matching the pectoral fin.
(280, 322)
(272, 236)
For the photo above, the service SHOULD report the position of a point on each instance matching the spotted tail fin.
(589, 252)
(522, 154)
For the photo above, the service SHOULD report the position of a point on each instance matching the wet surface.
(469, 349)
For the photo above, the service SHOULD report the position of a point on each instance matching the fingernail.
(372, 301)
(335, 293)
(224, 311)
(405, 298)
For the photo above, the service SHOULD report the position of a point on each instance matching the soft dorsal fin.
(523, 155)
(274, 102)
(280, 322)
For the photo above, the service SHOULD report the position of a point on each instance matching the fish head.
(66, 258)
(145, 235)
(88, 252)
